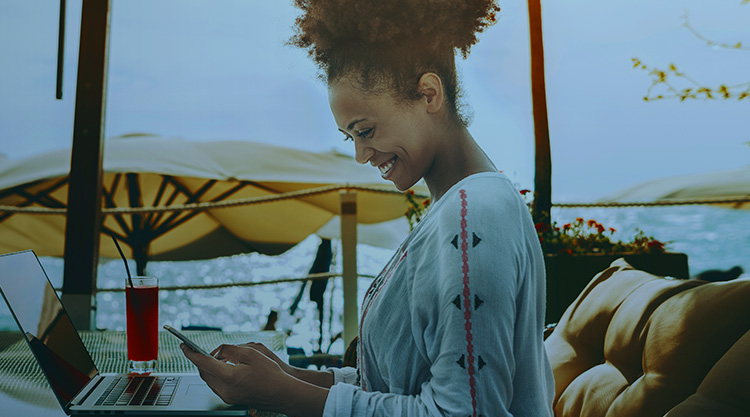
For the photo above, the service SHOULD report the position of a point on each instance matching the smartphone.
(185, 340)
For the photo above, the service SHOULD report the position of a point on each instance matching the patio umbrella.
(284, 195)
(725, 188)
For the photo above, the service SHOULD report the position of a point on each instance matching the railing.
(313, 277)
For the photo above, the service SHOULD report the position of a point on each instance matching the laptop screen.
(47, 327)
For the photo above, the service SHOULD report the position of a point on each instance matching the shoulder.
(486, 199)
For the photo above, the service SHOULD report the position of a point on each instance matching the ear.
(431, 87)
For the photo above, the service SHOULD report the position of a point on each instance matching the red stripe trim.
(467, 303)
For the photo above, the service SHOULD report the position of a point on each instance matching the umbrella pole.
(83, 220)
(349, 252)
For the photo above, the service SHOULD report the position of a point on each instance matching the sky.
(206, 70)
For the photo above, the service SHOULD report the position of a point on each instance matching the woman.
(453, 324)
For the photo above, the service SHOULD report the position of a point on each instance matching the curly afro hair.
(390, 44)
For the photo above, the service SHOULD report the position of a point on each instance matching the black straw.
(60, 51)
(130, 279)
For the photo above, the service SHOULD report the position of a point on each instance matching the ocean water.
(712, 237)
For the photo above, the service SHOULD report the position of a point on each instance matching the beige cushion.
(725, 392)
(634, 344)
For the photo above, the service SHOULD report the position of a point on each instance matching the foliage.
(669, 79)
(582, 237)
(589, 236)
(416, 208)
(696, 90)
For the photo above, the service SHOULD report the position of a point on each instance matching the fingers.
(202, 362)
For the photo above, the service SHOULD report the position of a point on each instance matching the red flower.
(426, 202)
(591, 223)
(600, 228)
(567, 226)
(655, 244)
(612, 230)
(541, 227)
(579, 220)
(524, 192)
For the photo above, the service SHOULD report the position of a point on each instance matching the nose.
(362, 152)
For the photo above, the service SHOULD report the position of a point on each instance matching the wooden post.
(349, 252)
(543, 161)
(83, 220)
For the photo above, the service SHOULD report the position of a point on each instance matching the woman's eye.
(364, 133)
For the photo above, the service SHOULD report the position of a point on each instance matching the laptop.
(77, 383)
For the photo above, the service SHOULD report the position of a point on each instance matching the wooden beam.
(83, 221)
(543, 161)
(349, 273)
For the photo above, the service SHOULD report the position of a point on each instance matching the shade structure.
(725, 188)
(274, 197)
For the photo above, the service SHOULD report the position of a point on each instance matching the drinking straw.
(130, 279)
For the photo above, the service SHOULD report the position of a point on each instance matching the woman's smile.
(386, 167)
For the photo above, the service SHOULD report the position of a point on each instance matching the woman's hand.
(246, 375)
(265, 351)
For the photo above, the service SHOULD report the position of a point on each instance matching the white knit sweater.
(453, 324)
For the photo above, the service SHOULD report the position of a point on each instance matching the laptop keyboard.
(139, 390)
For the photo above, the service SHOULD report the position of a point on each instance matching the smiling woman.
(453, 324)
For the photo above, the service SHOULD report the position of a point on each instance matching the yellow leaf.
(672, 67)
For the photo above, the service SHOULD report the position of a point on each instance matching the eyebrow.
(351, 125)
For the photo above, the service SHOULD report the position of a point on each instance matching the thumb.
(201, 361)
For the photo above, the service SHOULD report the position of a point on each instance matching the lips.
(385, 167)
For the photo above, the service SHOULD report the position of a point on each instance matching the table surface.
(24, 390)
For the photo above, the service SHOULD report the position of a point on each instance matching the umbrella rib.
(43, 197)
(151, 217)
(165, 227)
(178, 188)
(135, 200)
(31, 199)
(174, 219)
(109, 201)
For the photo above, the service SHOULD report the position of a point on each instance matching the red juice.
(142, 307)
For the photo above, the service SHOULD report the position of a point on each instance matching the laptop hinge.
(87, 390)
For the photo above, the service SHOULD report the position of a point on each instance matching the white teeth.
(384, 168)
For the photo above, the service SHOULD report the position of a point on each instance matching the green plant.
(416, 208)
(589, 236)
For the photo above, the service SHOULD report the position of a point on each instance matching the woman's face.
(391, 135)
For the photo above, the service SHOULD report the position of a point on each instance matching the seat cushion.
(636, 344)
(725, 391)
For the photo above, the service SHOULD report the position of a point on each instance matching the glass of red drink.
(142, 308)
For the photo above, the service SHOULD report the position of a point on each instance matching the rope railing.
(322, 190)
(313, 277)
(675, 202)
(208, 205)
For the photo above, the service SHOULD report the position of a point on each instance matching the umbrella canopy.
(282, 195)
(726, 188)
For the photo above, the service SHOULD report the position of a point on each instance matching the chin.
(404, 185)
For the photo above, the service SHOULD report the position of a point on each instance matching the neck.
(459, 156)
